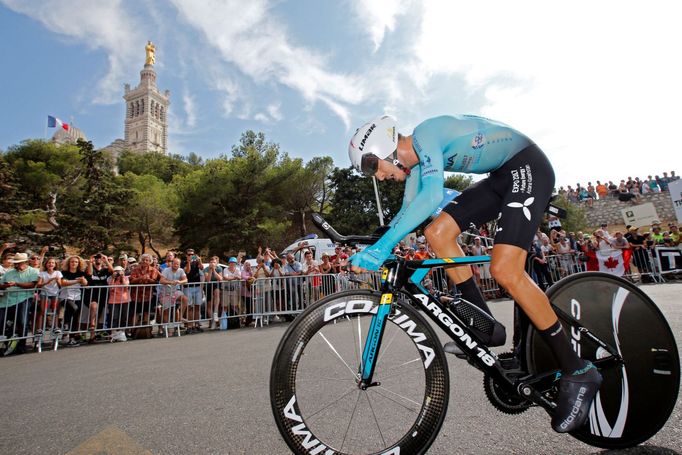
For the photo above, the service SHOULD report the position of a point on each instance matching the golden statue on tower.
(151, 49)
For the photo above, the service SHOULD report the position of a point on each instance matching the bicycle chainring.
(504, 400)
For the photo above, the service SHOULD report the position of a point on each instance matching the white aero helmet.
(373, 141)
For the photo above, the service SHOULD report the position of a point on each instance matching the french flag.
(53, 122)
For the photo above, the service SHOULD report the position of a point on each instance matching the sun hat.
(118, 268)
(19, 257)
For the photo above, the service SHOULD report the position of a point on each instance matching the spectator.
(294, 269)
(124, 263)
(327, 275)
(653, 184)
(172, 278)
(48, 282)
(657, 234)
(36, 260)
(144, 296)
(98, 272)
(232, 286)
(422, 252)
(119, 301)
(168, 262)
(410, 254)
(613, 189)
(261, 291)
(674, 233)
(673, 177)
(6, 257)
(312, 268)
(541, 267)
(591, 191)
(73, 278)
(193, 267)
(639, 255)
(20, 281)
(268, 256)
(663, 182)
(247, 281)
(278, 285)
(619, 241)
(624, 195)
(335, 258)
(212, 278)
(644, 187)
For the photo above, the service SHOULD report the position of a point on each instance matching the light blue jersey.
(461, 143)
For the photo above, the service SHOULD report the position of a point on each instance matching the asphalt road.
(208, 393)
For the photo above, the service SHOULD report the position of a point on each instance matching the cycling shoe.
(576, 392)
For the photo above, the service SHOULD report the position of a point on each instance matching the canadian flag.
(611, 261)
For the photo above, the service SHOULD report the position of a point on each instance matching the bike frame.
(405, 277)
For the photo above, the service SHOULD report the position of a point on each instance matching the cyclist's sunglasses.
(369, 164)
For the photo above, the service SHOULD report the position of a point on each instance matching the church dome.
(62, 136)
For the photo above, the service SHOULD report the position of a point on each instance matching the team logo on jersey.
(426, 162)
(478, 141)
(527, 203)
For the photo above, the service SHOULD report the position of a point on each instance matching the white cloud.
(258, 44)
(378, 16)
(595, 84)
(190, 109)
(96, 24)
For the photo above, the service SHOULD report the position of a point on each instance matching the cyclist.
(516, 192)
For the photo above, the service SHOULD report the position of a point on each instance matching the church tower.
(146, 124)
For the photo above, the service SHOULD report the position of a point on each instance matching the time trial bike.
(363, 371)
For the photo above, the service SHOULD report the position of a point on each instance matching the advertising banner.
(669, 259)
(640, 215)
(675, 188)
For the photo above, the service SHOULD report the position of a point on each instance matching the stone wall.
(608, 210)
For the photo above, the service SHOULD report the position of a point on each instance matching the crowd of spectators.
(82, 300)
(553, 254)
(627, 190)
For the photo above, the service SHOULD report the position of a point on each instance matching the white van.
(312, 243)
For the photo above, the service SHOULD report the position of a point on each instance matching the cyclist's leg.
(525, 185)
(477, 204)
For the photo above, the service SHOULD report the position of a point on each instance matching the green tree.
(93, 219)
(353, 203)
(45, 173)
(459, 182)
(162, 166)
(575, 218)
(151, 210)
(312, 188)
(235, 202)
(10, 204)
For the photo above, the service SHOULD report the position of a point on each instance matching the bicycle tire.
(635, 400)
(407, 334)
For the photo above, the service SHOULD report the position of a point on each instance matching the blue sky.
(595, 84)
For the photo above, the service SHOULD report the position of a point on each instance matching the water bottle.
(223, 321)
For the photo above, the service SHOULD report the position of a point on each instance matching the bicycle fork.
(373, 341)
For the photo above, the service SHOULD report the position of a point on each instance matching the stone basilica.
(146, 115)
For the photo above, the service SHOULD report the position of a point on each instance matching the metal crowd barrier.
(105, 312)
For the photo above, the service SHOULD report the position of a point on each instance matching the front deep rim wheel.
(636, 400)
(314, 391)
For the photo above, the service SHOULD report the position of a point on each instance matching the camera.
(98, 256)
